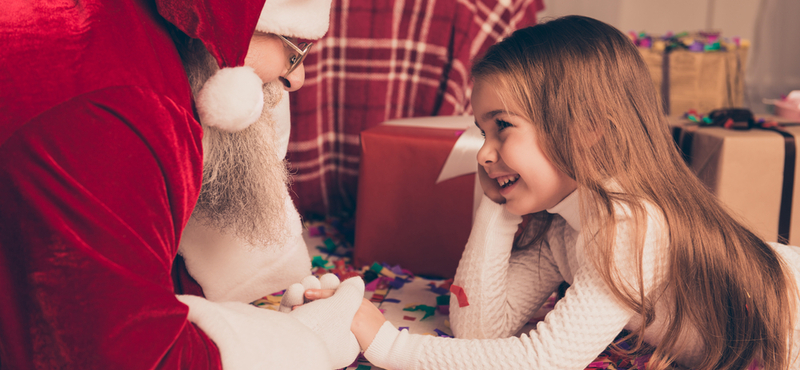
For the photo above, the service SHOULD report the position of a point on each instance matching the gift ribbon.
(684, 136)
(785, 218)
(462, 159)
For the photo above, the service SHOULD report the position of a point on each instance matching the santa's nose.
(293, 81)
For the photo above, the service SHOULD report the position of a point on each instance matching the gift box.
(692, 74)
(407, 213)
(753, 172)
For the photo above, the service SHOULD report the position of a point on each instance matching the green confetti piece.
(318, 261)
(330, 245)
(363, 367)
(429, 311)
(376, 267)
(443, 300)
(712, 47)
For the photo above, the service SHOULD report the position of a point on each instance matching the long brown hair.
(590, 97)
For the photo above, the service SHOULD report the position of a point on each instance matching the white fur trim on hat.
(231, 100)
(307, 19)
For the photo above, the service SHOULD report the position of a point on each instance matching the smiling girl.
(574, 136)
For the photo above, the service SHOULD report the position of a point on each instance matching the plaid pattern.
(384, 60)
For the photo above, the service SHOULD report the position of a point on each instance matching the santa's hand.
(246, 335)
(331, 319)
(293, 296)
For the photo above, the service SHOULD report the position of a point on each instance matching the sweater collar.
(569, 209)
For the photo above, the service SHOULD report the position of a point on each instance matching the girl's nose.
(486, 154)
(294, 80)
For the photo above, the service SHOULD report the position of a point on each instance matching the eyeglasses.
(301, 50)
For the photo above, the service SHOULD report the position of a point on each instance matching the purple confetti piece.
(403, 328)
(442, 334)
(397, 270)
(392, 300)
(397, 283)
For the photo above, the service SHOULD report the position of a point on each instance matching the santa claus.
(102, 162)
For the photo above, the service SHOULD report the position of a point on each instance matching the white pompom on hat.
(233, 99)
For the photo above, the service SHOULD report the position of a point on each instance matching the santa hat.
(232, 99)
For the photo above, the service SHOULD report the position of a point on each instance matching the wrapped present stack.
(695, 71)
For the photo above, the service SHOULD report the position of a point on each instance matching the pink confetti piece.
(372, 285)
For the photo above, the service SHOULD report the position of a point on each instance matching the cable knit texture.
(506, 288)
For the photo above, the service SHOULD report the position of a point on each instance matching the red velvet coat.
(100, 165)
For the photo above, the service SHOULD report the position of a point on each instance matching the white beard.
(245, 182)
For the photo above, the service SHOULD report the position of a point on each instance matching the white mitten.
(294, 295)
(330, 319)
(251, 338)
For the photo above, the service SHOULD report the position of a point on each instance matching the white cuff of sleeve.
(393, 349)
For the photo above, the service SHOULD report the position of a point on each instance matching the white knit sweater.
(505, 289)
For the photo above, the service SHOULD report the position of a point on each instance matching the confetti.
(370, 287)
(397, 283)
(460, 295)
(442, 334)
(438, 290)
(330, 245)
(409, 318)
(429, 311)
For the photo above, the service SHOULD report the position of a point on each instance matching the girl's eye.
(502, 124)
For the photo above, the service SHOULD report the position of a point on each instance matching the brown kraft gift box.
(753, 172)
(702, 81)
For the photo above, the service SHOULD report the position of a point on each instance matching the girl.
(575, 137)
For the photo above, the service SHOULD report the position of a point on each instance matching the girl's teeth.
(506, 180)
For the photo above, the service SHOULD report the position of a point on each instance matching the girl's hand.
(490, 187)
(315, 294)
(366, 323)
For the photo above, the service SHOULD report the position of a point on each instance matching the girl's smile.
(512, 156)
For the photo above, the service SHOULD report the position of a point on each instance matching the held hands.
(329, 318)
(490, 187)
(366, 323)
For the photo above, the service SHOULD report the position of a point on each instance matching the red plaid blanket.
(385, 60)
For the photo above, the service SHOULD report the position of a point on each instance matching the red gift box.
(403, 216)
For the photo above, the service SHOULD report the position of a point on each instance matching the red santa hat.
(232, 99)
